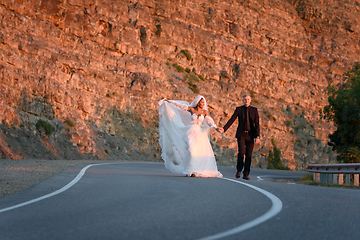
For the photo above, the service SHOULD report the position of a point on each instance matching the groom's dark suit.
(245, 134)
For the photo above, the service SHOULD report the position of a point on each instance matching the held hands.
(257, 140)
(220, 130)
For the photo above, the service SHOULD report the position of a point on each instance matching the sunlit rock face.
(104, 65)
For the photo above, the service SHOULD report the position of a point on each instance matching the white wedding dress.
(184, 140)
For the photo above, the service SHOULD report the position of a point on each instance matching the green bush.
(70, 123)
(201, 77)
(47, 126)
(187, 54)
(187, 70)
(194, 78)
(193, 87)
(274, 159)
(179, 68)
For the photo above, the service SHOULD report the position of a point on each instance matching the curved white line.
(66, 187)
(260, 179)
(274, 210)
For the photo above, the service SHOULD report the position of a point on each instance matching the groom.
(248, 133)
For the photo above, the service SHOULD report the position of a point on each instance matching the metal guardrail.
(334, 173)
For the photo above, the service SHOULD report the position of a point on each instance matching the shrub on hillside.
(274, 159)
(179, 68)
(43, 124)
(187, 54)
(70, 123)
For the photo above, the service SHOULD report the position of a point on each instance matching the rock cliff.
(95, 70)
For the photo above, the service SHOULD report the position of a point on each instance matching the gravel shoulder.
(17, 175)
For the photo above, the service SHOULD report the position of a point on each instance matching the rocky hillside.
(81, 79)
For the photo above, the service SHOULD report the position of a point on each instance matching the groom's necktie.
(247, 122)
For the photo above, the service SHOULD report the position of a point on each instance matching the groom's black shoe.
(237, 175)
(246, 177)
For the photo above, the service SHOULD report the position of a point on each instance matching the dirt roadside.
(17, 175)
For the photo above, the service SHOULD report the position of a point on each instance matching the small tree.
(344, 111)
(274, 160)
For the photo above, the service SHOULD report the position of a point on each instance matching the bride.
(184, 138)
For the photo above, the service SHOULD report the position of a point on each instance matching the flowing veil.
(171, 124)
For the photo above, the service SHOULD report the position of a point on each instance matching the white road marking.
(274, 210)
(273, 176)
(259, 178)
(267, 176)
(66, 187)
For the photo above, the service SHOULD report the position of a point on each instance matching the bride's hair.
(197, 100)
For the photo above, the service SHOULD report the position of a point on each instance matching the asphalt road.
(146, 201)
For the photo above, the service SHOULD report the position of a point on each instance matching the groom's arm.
(257, 125)
(231, 120)
(257, 128)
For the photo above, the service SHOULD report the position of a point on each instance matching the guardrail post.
(341, 179)
(334, 180)
(347, 176)
(356, 179)
(323, 177)
(329, 178)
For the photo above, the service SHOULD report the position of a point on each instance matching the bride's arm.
(182, 106)
(210, 122)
